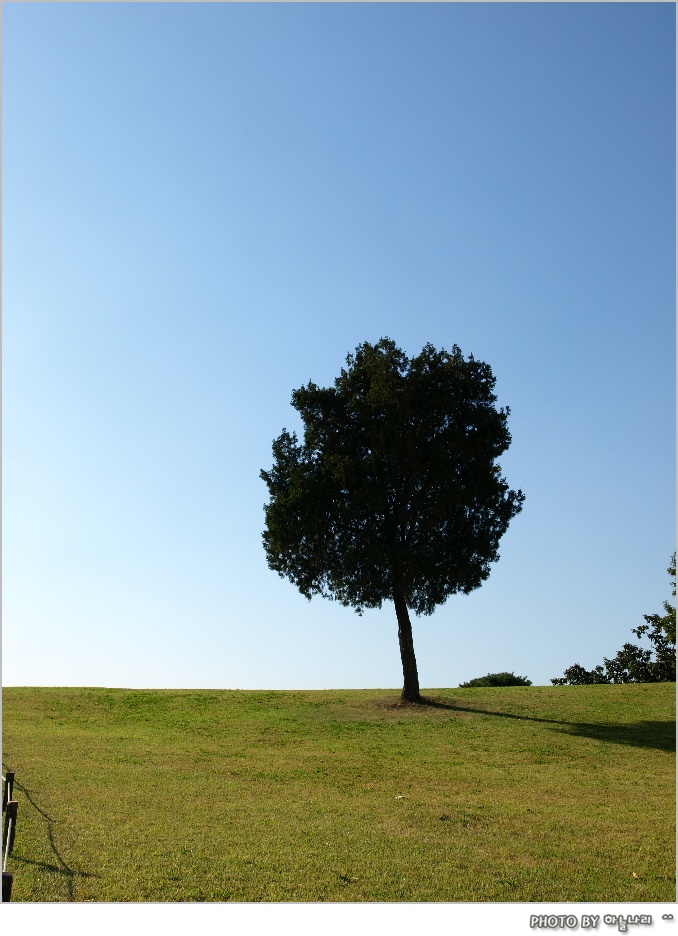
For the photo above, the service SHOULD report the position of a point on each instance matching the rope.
(9, 839)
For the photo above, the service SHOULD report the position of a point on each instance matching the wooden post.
(6, 887)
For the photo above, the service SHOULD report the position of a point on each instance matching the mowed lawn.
(509, 794)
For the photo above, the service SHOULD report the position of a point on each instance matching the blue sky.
(207, 205)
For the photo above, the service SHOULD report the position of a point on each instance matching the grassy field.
(514, 794)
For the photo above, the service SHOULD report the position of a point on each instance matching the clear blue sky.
(207, 205)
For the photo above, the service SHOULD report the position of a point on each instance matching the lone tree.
(395, 493)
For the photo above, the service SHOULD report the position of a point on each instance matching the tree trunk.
(410, 691)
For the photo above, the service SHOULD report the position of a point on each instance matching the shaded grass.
(557, 794)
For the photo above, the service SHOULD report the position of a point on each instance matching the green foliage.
(634, 664)
(496, 679)
(396, 485)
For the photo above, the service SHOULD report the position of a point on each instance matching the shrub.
(496, 679)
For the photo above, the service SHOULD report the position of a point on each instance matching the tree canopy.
(395, 493)
(633, 663)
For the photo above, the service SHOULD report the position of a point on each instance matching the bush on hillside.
(496, 679)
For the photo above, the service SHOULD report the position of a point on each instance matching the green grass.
(558, 794)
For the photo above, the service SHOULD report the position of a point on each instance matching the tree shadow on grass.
(645, 733)
(61, 868)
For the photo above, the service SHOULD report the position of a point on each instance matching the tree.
(394, 493)
(496, 679)
(634, 664)
(661, 632)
